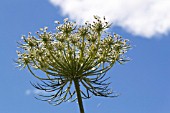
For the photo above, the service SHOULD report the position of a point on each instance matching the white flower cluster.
(73, 53)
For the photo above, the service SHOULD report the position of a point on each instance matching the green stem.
(82, 50)
(77, 87)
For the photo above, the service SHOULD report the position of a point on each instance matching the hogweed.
(79, 55)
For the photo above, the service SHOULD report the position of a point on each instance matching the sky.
(143, 83)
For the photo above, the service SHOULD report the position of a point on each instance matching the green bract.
(73, 54)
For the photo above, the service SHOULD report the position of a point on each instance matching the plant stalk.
(77, 87)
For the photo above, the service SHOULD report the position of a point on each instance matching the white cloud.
(33, 92)
(146, 18)
(28, 92)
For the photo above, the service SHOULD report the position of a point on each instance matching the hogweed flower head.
(72, 55)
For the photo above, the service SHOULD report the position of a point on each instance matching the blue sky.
(142, 82)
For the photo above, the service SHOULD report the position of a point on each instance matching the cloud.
(147, 18)
(33, 92)
(28, 92)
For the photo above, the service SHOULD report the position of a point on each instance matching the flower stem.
(77, 87)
